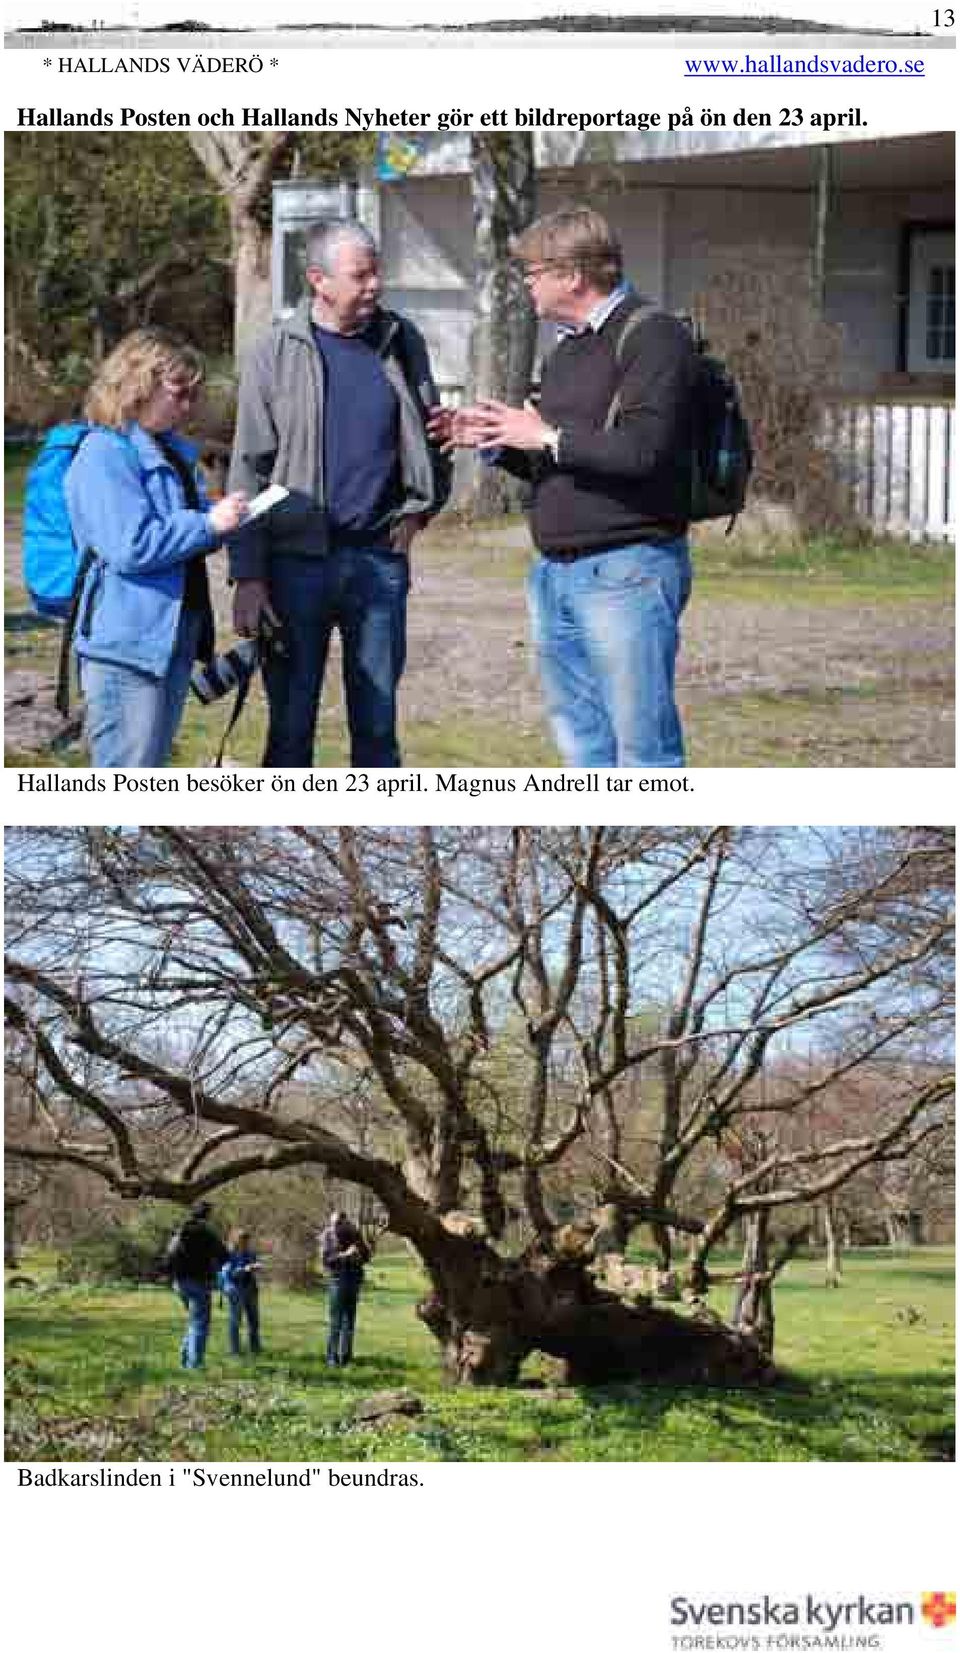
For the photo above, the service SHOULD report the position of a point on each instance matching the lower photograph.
(479, 1143)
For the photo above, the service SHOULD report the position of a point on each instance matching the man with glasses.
(333, 407)
(608, 454)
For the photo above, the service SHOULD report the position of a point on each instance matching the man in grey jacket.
(333, 406)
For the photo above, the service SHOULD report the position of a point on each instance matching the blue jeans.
(344, 1295)
(195, 1297)
(131, 717)
(243, 1305)
(363, 594)
(606, 629)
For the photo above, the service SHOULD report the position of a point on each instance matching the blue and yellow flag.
(397, 156)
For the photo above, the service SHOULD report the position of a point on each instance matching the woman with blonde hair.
(238, 1283)
(144, 528)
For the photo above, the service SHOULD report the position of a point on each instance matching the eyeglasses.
(182, 392)
(533, 271)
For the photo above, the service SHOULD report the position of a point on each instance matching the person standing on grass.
(333, 406)
(194, 1255)
(238, 1282)
(344, 1253)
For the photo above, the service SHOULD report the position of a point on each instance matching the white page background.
(517, 1556)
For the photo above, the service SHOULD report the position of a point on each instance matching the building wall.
(673, 236)
(862, 289)
(707, 227)
(426, 240)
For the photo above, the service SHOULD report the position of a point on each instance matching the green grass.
(835, 570)
(866, 1374)
(793, 731)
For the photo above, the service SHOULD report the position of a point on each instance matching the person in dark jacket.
(344, 1253)
(195, 1254)
(333, 407)
(609, 495)
(238, 1283)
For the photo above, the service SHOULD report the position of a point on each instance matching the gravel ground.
(772, 678)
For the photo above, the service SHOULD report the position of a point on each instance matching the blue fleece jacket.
(126, 503)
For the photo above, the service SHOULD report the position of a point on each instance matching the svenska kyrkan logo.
(938, 1608)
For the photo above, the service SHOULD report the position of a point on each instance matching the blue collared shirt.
(599, 315)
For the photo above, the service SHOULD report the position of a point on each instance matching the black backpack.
(721, 451)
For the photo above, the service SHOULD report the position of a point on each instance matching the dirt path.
(772, 672)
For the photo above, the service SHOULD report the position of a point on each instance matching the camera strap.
(243, 689)
(269, 640)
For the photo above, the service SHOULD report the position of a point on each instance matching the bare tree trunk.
(831, 1232)
(753, 1311)
(251, 244)
(663, 1240)
(244, 168)
(489, 1313)
(103, 330)
(505, 330)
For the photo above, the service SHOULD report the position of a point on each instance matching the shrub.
(759, 312)
(37, 393)
(284, 1211)
(128, 1250)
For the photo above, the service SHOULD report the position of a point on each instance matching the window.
(941, 279)
(931, 300)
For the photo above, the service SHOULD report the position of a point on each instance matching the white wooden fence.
(897, 460)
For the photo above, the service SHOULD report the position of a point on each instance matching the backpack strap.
(61, 698)
(633, 322)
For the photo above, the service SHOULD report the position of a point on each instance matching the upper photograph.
(530, 447)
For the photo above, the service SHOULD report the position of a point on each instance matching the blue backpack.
(50, 556)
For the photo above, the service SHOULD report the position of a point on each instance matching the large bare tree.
(529, 1045)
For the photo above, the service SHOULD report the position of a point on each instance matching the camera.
(217, 677)
(233, 669)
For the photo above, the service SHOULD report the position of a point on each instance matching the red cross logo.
(938, 1608)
